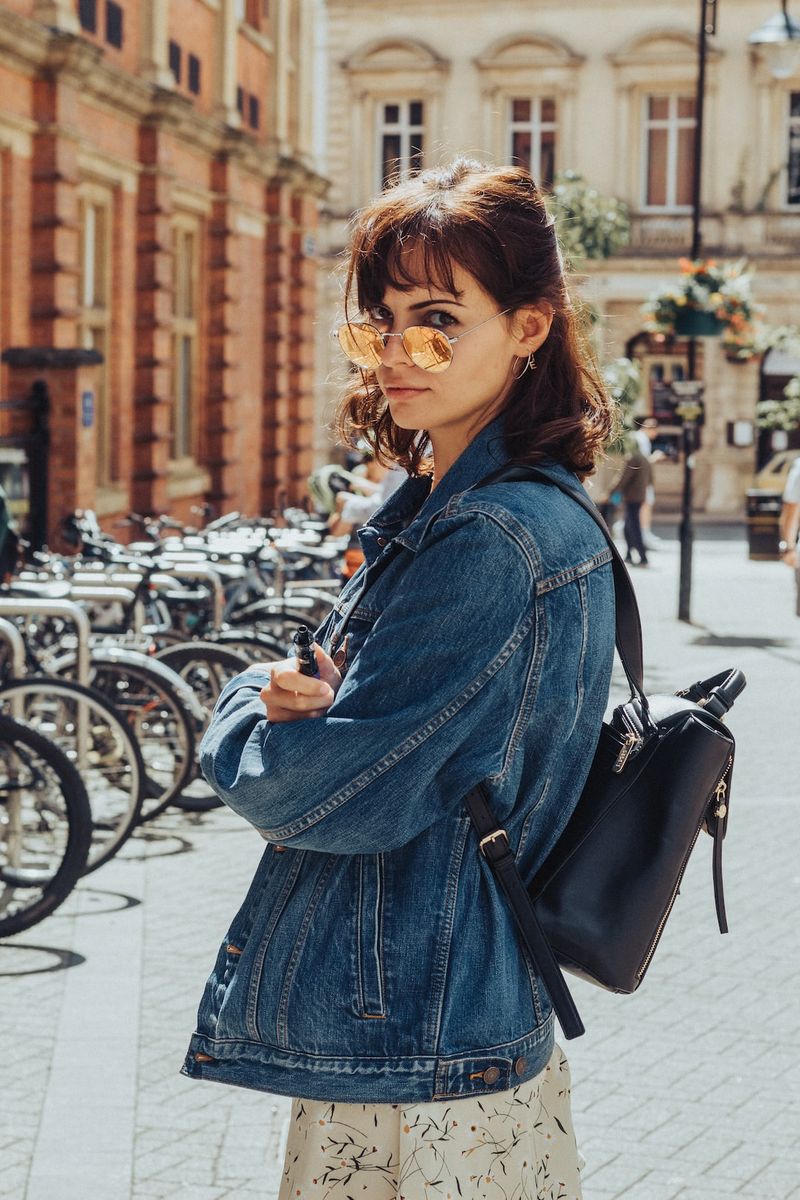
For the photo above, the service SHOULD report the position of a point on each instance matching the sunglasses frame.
(384, 337)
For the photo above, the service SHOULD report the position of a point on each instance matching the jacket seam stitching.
(568, 574)
(440, 969)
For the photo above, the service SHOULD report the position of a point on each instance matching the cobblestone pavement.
(690, 1089)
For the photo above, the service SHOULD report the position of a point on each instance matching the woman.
(374, 972)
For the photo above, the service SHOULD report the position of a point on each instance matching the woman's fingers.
(293, 696)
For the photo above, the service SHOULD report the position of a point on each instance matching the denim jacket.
(374, 958)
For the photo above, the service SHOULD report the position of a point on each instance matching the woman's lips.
(403, 393)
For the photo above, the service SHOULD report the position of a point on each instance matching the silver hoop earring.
(530, 365)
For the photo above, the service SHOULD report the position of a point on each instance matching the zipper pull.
(721, 807)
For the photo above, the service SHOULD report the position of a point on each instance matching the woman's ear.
(531, 326)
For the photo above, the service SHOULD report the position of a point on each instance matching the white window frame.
(673, 124)
(185, 328)
(536, 127)
(404, 128)
(95, 300)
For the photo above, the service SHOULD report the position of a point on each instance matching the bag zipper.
(719, 790)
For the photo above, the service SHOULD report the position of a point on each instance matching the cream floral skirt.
(515, 1145)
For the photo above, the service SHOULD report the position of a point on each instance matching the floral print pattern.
(516, 1145)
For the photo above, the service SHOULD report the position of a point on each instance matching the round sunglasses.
(428, 348)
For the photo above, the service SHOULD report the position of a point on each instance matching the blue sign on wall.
(87, 409)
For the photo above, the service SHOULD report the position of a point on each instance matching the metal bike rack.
(199, 574)
(13, 639)
(74, 613)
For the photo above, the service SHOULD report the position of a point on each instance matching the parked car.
(772, 475)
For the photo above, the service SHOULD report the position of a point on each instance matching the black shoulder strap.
(628, 623)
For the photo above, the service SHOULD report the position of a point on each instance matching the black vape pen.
(304, 649)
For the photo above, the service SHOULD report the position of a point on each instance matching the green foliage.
(781, 414)
(623, 378)
(589, 224)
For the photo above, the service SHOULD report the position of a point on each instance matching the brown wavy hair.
(493, 223)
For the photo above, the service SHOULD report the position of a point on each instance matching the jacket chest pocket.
(371, 900)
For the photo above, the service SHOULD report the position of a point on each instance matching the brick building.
(159, 202)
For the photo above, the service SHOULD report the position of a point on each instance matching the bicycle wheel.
(269, 617)
(45, 827)
(206, 667)
(82, 723)
(159, 711)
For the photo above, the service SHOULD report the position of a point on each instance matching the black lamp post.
(779, 40)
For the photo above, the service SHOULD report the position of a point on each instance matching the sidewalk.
(689, 1089)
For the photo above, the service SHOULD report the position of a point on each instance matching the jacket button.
(381, 541)
(520, 1065)
(491, 1075)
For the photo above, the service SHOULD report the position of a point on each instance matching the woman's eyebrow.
(427, 303)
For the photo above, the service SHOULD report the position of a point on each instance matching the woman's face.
(455, 404)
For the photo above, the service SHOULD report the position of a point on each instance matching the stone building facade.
(605, 89)
(157, 255)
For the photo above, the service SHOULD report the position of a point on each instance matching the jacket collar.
(407, 513)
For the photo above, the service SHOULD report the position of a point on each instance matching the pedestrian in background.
(631, 487)
(374, 972)
(790, 525)
(643, 437)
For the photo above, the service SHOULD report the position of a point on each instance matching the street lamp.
(779, 39)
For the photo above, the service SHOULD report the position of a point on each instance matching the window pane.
(657, 167)
(794, 104)
(88, 257)
(185, 396)
(548, 109)
(416, 156)
(87, 15)
(683, 182)
(658, 108)
(520, 110)
(390, 157)
(194, 74)
(793, 188)
(547, 168)
(254, 111)
(521, 149)
(391, 114)
(175, 60)
(113, 24)
(415, 112)
(685, 106)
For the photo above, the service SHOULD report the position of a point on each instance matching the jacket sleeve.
(424, 713)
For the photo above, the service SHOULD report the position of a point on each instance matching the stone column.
(54, 226)
(731, 391)
(58, 14)
(153, 390)
(155, 43)
(227, 38)
(277, 362)
(221, 456)
(301, 326)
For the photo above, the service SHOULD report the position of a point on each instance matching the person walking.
(373, 972)
(632, 484)
(790, 526)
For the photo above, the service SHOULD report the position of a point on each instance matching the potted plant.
(712, 300)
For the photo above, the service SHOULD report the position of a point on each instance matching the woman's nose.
(394, 352)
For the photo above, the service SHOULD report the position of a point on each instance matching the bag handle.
(628, 622)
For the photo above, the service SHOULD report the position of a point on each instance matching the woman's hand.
(292, 696)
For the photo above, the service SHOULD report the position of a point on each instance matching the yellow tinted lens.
(362, 344)
(428, 348)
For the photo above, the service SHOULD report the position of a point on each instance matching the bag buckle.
(490, 837)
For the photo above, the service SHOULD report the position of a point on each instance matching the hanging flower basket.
(693, 322)
(712, 299)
